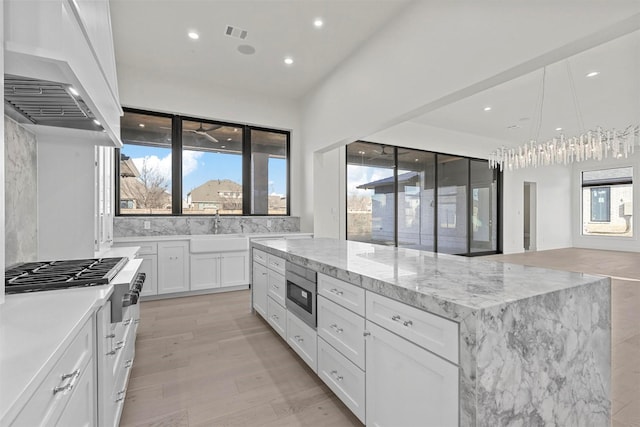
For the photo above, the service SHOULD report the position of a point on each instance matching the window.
(607, 202)
(145, 165)
(269, 172)
(211, 168)
(173, 165)
(419, 199)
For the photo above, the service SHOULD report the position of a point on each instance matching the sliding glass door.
(422, 200)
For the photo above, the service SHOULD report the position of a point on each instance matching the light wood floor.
(207, 361)
(624, 268)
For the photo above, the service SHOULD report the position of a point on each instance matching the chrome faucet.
(216, 222)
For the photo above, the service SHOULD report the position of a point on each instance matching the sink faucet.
(216, 222)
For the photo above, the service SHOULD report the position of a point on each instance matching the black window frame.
(176, 165)
(499, 190)
(607, 189)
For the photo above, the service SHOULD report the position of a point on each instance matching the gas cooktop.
(49, 275)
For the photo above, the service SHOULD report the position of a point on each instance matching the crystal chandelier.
(597, 144)
(594, 144)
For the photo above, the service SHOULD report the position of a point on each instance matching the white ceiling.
(610, 100)
(151, 35)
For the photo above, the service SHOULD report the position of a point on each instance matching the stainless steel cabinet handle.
(71, 375)
(127, 322)
(366, 333)
(298, 338)
(337, 377)
(128, 363)
(407, 323)
(69, 385)
(119, 345)
(120, 396)
(110, 336)
(338, 330)
(336, 291)
(395, 317)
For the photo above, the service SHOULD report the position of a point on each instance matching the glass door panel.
(484, 207)
(453, 178)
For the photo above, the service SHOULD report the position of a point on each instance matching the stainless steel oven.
(301, 292)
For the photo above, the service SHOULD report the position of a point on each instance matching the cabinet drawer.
(46, 404)
(429, 331)
(343, 293)
(277, 286)
(276, 263)
(147, 248)
(260, 256)
(81, 409)
(342, 329)
(277, 317)
(303, 340)
(344, 378)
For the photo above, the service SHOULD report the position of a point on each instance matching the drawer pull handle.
(128, 363)
(120, 396)
(366, 333)
(298, 338)
(127, 322)
(264, 274)
(68, 386)
(407, 323)
(395, 317)
(338, 330)
(274, 317)
(110, 336)
(137, 321)
(119, 345)
(336, 291)
(336, 376)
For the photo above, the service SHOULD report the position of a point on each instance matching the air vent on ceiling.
(235, 32)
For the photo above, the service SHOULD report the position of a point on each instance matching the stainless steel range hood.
(43, 102)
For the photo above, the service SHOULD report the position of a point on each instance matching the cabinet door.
(407, 385)
(234, 269)
(150, 268)
(173, 273)
(205, 271)
(259, 289)
(81, 409)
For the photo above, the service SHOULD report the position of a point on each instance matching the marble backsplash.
(186, 225)
(21, 194)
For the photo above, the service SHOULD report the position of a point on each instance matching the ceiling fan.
(203, 132)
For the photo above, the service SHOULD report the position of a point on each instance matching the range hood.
(43, 102)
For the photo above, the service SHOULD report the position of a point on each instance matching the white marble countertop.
(205, 236)
(34, 329)
(449, 285)
(124, 251)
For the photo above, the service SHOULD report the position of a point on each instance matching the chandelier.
(596, 144)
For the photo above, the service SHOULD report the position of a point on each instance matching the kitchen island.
(533, 345)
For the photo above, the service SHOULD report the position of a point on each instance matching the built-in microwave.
(301, 293)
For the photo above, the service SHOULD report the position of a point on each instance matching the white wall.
(329, 197)
(613, 243)
(160, 92)
(553, 215)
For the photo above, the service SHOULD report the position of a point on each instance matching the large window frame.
(176, 163)
(469, 200)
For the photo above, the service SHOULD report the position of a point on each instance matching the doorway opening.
(530, 207)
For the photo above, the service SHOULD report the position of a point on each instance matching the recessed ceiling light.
(73, 91)
(97, 122)
(558, 129)
(141, 125)
(193, 35)
(360, 152)
(288, 60)
(235, 129)
(318, 23)
(417, 160)
(487, 108)
(223, 146)
(593, 73)
(228, 139)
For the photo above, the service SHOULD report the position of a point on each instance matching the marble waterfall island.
(534, 344)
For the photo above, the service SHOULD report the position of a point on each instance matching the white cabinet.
(277, 317)
(407, 385)
(150, 268)
(303, 340)
(234, 269)
(276, 285)
(68, 383)
(343, 329)
(205, 271)
(259, 288)
(81, 409)
(173, 267)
